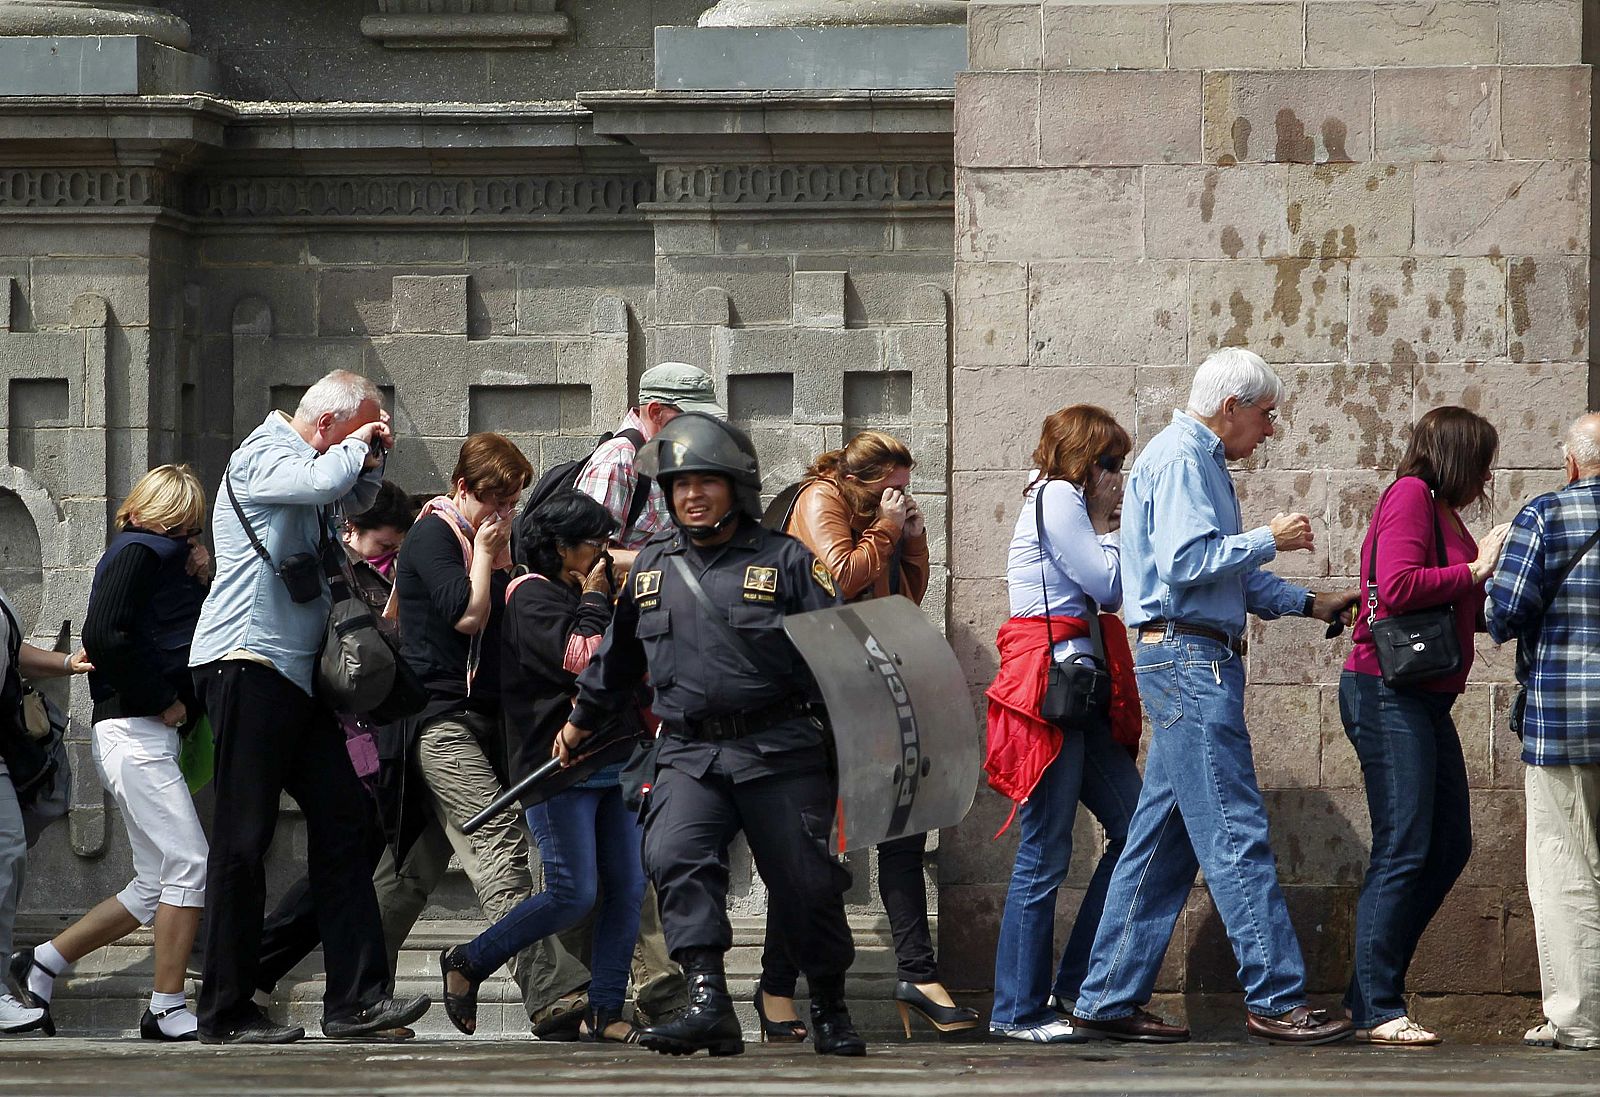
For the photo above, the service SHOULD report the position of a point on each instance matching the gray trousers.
(13, 859)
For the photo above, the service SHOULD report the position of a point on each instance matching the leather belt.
(738, 725)
(1151, 631)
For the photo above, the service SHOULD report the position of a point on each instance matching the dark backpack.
(29, 751)
(781, 509)
(564, 477)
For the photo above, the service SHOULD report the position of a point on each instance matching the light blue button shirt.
(1185, 557)
(281, 482)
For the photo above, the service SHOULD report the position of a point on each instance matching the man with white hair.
(252, 657)
(1543, 593)
(1190, 573)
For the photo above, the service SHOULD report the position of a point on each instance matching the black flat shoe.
(909, 998)
(378, 1021)
(462, 1009)
(257, 1028)
(20, 966)
(150, 1027)
(778, 1032)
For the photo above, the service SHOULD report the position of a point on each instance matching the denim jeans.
(1200, 808)
(1421, 831)
(586, 836)
(1097, 770)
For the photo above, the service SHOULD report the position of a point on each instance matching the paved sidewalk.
(433, 1066)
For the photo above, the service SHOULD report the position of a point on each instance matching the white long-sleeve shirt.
(1077, 563)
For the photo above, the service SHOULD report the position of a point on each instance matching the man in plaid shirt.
(609, 477)
(1558, 640)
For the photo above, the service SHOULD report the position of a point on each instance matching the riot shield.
(903, 726)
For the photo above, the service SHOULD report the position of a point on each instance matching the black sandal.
(597, 1026)
(462, 1009)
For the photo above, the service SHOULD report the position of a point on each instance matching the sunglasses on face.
(1109, 463)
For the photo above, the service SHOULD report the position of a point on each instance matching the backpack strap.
(518, 581)
(641, 487)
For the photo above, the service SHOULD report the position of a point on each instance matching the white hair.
(1583, 441)
(1233, 371)
(341, 393)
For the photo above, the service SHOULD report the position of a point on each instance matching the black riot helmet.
(697, 442)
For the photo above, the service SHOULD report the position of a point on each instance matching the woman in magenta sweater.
(1410, 753)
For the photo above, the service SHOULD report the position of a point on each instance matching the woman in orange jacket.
(855, 513)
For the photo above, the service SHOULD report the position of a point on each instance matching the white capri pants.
(137, 757)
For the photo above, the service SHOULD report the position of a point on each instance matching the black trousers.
(905, 898)
(291, 932)
(273, 738)
(786, 818)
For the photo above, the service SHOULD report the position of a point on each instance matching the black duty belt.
(738, 725)
(1151, 631)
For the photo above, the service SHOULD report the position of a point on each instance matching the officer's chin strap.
(705, 533)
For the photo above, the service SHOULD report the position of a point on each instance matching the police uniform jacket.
(697, 674)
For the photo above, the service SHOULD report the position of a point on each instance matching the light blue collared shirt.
(1185, 557)
(281, 482)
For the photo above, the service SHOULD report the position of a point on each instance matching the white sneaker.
(1542, 1034)
(1051, 1032)
(16, 1017)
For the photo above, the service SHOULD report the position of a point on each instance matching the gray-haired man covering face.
(252, 658)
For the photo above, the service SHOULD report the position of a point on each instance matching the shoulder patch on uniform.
(824, 578)
(646, 583)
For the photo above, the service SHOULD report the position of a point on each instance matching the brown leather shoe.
(1139, 1027)
(1301, 1025)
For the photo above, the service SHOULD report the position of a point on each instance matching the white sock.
(173, 1024)
(45, 961)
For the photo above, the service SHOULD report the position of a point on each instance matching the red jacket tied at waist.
(1022, 744)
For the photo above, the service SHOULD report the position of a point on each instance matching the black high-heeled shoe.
(907, 997)
(462, 1009)
(150, 1026)
(779, 1032)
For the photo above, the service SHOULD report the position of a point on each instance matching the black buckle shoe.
(708, 1022)
(831, 1030)
(257, 1028)
(380, 1017)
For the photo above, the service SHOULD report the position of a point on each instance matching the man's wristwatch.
(1311, 603)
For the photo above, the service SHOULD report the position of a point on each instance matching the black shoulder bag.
(1412, 647)
(1078, 689)
(1519, 703)
(301, 573)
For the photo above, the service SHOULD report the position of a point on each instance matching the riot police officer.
(740, 749)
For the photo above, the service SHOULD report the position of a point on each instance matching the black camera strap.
(249, 530)
(1097, 640)
(255, 542)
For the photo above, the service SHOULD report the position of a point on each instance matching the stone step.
(106, 993)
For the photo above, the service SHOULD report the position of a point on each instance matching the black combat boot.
(708, 1021)
(831, 1030)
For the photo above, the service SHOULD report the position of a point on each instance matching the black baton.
(511, 795)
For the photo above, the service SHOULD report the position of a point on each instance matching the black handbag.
(1078, 689)
(1412, 647)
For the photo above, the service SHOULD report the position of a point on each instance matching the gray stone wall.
(316, 51)
(1390, 200)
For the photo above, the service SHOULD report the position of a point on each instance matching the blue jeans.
(586, 837)
(1091, 767)
(1421, 831)
(1200, 808)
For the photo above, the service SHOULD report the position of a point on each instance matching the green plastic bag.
(197, 755)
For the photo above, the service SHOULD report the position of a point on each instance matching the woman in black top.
(555, 618)
(143, 605)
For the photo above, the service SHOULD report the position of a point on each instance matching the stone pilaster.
(69, 47)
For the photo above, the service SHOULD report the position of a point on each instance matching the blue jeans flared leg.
(1416, 782)
(586, 837)
(1092, 768)
(1200, 807)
